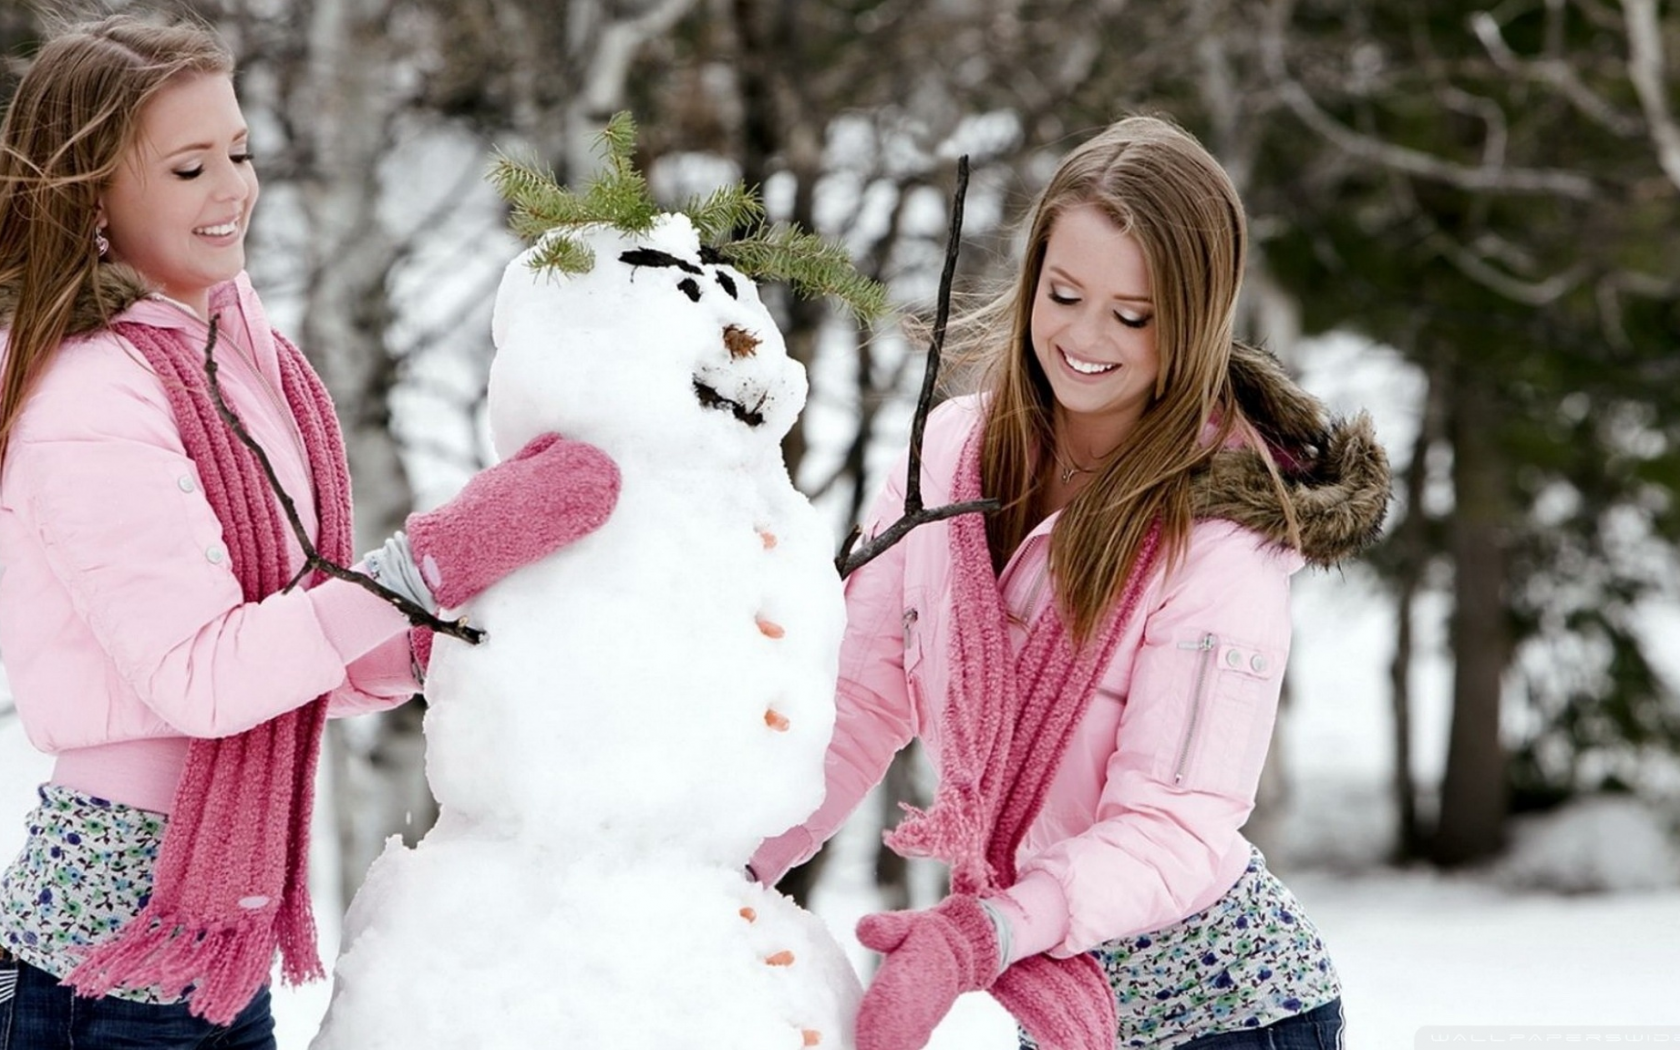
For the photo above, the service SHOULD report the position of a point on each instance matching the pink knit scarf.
(1006, 725)
(231, 882)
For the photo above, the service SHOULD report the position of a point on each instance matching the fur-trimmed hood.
(1335, 472)
(118, 287)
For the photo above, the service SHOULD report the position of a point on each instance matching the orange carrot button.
(770, 628)
(776, 720)
(782, 958)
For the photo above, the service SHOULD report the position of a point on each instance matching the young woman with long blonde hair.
(1095, 668)
(154, 639)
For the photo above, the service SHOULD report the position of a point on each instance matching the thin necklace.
(1068, 470)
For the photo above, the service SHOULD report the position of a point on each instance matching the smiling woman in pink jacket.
(1095, 668)
(157, 637)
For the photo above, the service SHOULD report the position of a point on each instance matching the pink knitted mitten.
(1064, 1004)
(551, 492)
(932, 957)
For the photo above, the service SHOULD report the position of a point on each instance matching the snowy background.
(1414, 947)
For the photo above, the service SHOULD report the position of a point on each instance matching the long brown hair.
(1158, 184)
(71, 122)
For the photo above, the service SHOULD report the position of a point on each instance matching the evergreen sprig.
(783, 252)
(723, 211)
(564, 255)
(544, 210)
(618, 196)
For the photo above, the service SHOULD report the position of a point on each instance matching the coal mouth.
(710, 398)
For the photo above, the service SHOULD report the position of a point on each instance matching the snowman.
(650, 703)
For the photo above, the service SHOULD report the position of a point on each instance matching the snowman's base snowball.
(511, 952)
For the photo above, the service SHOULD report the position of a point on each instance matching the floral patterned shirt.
(85, 870)
(1248, 960)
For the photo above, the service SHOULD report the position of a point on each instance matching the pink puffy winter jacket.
(122, 628)
(1141, 826)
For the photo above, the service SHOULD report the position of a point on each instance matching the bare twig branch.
(1489, 113)
(1529, 293)
(1554, 72)
(1626, 282)
(941, 316)
(1402, 158)
(312, 558)
(1645, 69)
(850, 560)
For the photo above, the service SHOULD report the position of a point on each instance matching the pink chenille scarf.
(231, 882)
(1005, 726)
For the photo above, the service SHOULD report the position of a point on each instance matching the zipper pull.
(1197, 698)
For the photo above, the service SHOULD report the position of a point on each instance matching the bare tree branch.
(1626, 282)
(1530, 293)
(849, 560)
(1645, 69)
(312, 558)
(1403, 158)
(1555, 73)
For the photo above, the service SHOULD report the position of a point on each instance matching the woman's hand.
(932, 957)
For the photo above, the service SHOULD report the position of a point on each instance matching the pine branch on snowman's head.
(547, 214)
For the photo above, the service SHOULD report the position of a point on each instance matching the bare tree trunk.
(604, 47)
(1406, 832)
(1473, 791)
(1412, 549)
(347, 311)
(343, 110)
(776, 123)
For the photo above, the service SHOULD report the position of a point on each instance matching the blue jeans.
(1318, 1029)
(41, 1014)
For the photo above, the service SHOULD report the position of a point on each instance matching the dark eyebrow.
(201, 147)
(655, 257)
(1144, 299)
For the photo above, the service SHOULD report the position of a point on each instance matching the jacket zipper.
(1206, 646)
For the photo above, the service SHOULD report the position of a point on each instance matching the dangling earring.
(101, 243)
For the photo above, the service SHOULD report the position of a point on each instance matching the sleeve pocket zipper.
(1206, 646)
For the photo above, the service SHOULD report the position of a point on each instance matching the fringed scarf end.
(953, 830)
(220, 970)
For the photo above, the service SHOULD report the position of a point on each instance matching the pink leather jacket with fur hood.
(122, 627)
(1141, 825)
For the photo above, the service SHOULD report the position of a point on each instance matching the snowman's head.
(660, 344)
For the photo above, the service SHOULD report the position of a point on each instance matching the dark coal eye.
(726, 282)
(689, 288)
